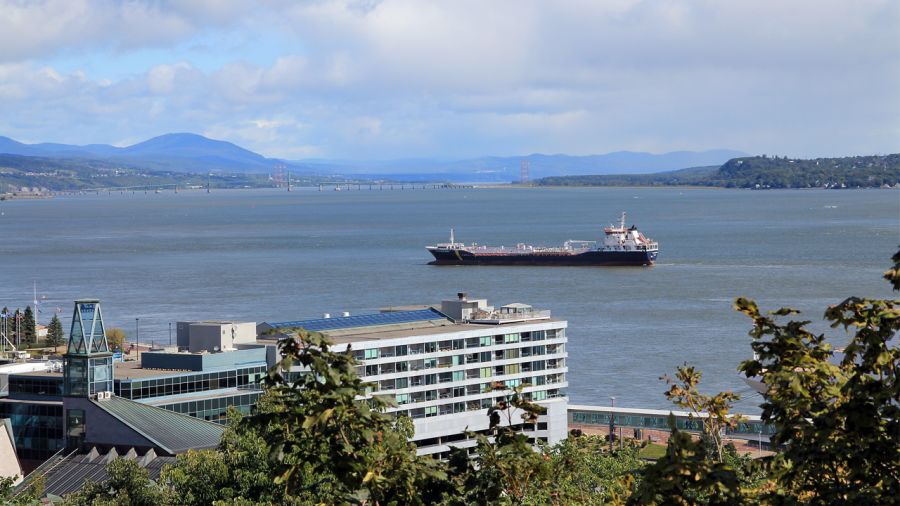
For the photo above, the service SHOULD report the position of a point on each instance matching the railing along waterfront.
(657, 419)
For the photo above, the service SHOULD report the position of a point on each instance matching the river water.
(271, 255)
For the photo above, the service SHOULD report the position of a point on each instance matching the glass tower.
(88, 361)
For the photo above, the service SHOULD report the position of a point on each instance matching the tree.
(198, 478)
(115, 337)
(505, 467)
(838, 421)
(55, 334)
(684, 393)
(327, 441)
(686, 475)
(28, 497)
(29, 332)
(129, 484)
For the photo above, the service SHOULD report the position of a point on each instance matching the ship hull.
(588, 258)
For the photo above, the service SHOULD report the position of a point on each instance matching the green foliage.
(129, 484)
(760, 172)
(694, 176)
(198, 478)
(584, 472)
(505, 469)
(29, 336)
(775, 172)
(115, 338)
(28, 497)
(55, 333)
(687, 475)
(684, 393)
(328, 441)
(838, 421)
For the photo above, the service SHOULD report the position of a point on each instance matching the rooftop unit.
(462, 308)
(214, 336)
(510, 313)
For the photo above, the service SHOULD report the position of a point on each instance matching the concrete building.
(214, 336)
(203, 384)
(439, 364)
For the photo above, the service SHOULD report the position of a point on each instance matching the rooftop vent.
(461, 295)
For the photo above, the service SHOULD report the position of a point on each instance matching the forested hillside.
(783, 172)
(761, 172)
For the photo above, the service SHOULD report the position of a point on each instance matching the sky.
(370, 79)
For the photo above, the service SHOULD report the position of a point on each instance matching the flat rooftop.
(134, 370)
(395, 322)
(365, 334)
(122, 370)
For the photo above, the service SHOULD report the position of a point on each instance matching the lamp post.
(612, 423)
(137, 337)
(170, 333)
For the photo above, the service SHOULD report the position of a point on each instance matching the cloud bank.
(403, 78)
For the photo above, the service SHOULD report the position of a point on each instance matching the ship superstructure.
(620, 246)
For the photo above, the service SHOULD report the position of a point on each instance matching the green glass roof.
(173, 432)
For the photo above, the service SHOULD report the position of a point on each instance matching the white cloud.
(407, 78)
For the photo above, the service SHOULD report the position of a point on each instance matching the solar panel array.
(366, 320)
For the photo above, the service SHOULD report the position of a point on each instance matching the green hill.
(760, 172)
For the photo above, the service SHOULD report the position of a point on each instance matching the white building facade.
(441, 369)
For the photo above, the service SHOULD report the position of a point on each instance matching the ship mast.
(622, 221)
(452, 240)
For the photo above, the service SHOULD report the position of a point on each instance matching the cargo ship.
(620, 247)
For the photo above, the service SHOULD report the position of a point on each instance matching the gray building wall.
(103, 429)
(246, 356)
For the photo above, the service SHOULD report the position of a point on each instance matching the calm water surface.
(268, 255)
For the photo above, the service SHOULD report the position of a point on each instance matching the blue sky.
(369, 79)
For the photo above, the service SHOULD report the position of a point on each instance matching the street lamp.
(170, 333)
(137, 337)
(612, 423)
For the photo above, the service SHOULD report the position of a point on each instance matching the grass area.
(652, 451)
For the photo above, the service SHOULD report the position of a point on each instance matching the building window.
(511, 338)
(486, 341)
(371, 353)
(486, 372)
(540, 395)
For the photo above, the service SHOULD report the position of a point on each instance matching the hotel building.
(439, 364)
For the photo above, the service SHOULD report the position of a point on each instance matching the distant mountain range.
(182, 152)
(192, 153)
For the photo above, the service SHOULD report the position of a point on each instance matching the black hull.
(589, 258)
